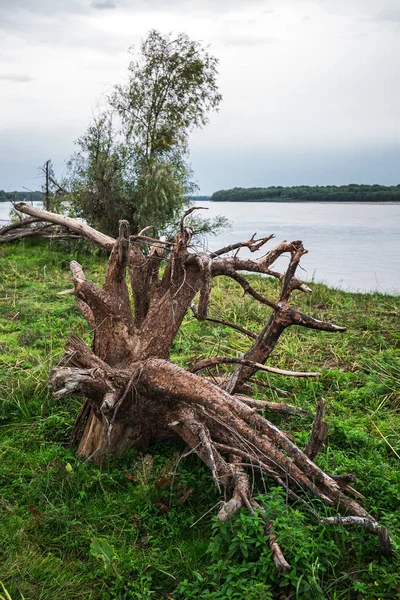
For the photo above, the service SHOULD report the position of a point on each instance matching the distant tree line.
(305, 193)
(20, 196)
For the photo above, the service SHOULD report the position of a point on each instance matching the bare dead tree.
(51, 186)
(134, 395)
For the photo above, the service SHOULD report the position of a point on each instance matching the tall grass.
(141, 526)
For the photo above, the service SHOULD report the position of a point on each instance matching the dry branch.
(278, 407)
(93, 235)
(318, 433)
(227, 360)
(222, 322)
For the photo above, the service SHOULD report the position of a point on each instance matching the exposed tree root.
(134, 395)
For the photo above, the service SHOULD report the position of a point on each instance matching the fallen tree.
(56, 226)
(30, 228)
(134, 395)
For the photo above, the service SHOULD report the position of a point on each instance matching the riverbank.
(128, 529)
(308, 193)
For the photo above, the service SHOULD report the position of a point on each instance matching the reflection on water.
(351, 246)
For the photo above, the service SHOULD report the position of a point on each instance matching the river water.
(354, 247)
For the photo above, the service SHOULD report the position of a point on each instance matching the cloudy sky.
(311, 88)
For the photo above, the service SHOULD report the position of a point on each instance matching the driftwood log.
(35, 227)
(134, 395)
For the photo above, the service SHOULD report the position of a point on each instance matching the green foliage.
(102, 550)
(240, 559)
(143, 526)
(305, 193)
(171, 89)
(100, 180)
(132, 161)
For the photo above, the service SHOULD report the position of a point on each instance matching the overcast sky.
(311, 88)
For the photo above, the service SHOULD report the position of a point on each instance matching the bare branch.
(281, 563)
(94, 296)
(205, 440)
(385, 542)
(223, 322)
(249, 289)
(318, 433)
(95, 236)
(343, 482)
(299, 318)
(278, 407)
(240, 494)
(189, 212)
(205, 287)
(86, 311)
(288, 285)
(21, 223)
(211, 362)
(145, 229)
(253, 245)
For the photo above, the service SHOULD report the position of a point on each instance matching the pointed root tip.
(385, 542)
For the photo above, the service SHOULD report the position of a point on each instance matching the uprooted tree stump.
(135, 396)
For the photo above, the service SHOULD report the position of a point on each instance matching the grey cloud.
(47, 7)
(54, 22)
(82, 6)
(194, 6)
(37, 15)
(17, 77)
(389, 15)
(30, 16)
(360, 8)
(64, 25)
(103, 4)
(249, 41)
(37, 18)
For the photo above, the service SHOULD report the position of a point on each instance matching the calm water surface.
(5, 208)
(354, 247)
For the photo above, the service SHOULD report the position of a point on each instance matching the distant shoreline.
(303, 201)
(305, 193)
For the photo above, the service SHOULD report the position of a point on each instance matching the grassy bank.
(141, 527)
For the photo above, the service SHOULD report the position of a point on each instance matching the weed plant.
(144, 526)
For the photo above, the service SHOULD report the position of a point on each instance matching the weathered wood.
(134, 395)
(228, 360)
(93, 235)
(318, 433)
(278, 407)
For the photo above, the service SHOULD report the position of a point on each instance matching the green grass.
(130, 529)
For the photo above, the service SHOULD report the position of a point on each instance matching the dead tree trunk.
(134, 395)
